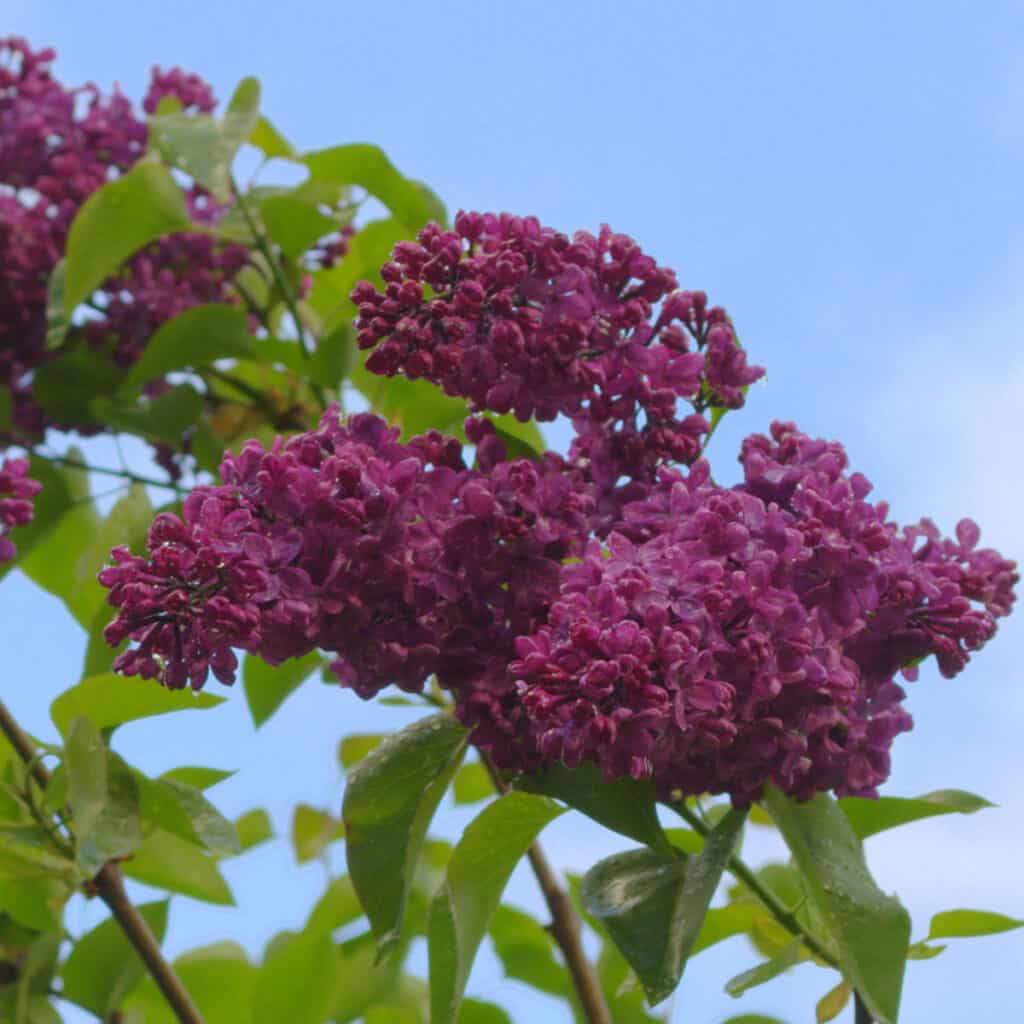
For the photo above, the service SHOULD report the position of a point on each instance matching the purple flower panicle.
(17, 490)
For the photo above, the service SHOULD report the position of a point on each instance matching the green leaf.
(241, 117)
(294, 224)
(183, 810)
(109, 700)
(476, 1011)
(253, 827)
(362, 981)
(478, 871)
(26, 855)
(962, 924)
(870, 930)
(868, 817)
(68, 386)
(219, 978)
(922, 951)
(167, 417)
(203, 147)
(526, 951)
(117, 220)
(832, 1003)
(752, 1018)
(758, 975)
(267, 686)
(297, 982)
(266, 138)
(117, 830)
(722, 923)
(338, 906)
(167, 862)
(56, 314)
(653, 905)
(85, 757)
(36, 903)
(626, 806)
(104, 967)
(367, 166)
(312, 831)
(472, 784)
(333, 357)
(352, 749)
(389, 801)
(197, 337)
(197, 775)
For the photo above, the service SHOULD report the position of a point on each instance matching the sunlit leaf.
(297, 982)
(253, 827)
(390, 799)
(267, 686)
(117, 220)
(961, 924)
(480, 866)
(871, 930)
(312, 831)
(832, 1003)
(109, 700)
(789, 957)
(472, 784)
(167, 862)
(868, 817)
(104, 966)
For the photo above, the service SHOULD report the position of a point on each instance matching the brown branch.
(565, 924)
(110, 887)
(861, 1011)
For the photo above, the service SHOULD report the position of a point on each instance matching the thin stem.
(263, 244)
(565, 924)
(123, 474)
(739, 869)
(110, 887)
(862, 1015)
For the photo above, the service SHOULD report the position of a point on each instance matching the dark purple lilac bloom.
(57, 146)
(16, 493)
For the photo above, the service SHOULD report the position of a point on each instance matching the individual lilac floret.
(16, 493)
(394, 557)
(726, 637)
(520, 318)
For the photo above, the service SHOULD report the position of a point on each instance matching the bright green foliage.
(110, 700)
(312, 831)
(653, 905)
(115, 222)
(871, 930)
(868, 817)
(626, 806)
(103, 967)
(959, 924)
(267, 686)
(480, 866)
(390, 799)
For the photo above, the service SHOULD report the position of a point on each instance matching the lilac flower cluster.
(57, 146)
(607, 607)
(396, 557)
(520, 318)
(16, 493)
(725, 637)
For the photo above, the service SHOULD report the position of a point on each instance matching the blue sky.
(845, 179)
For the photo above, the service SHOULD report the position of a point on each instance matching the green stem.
(740, 870)
(263, 244)
(123, 474)
(110, 887)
